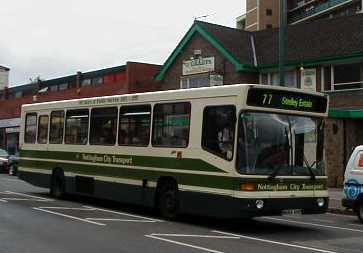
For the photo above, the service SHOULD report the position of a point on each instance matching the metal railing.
(313, 9)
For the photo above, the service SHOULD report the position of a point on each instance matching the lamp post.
(282, 43)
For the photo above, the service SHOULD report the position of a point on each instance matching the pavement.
(335, 202)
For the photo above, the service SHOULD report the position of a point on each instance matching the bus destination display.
(286, 100)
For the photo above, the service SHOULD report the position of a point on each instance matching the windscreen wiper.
(312, 175)
(274, 173)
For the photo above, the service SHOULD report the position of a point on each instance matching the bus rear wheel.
(168, 201)
(57, 184)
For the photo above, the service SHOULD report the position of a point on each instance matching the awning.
(346, 113)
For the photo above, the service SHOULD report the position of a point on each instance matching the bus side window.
(171, 124)
(77, 127)
(219, 130)
(56, 127)
(43, 129)
(30, 128)
(103, 126)
(134, 129)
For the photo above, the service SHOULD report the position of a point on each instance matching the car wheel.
(360, 210)
(168, 200)
(57, 185)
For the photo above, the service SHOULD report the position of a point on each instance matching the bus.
(229, 151)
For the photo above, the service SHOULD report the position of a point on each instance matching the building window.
(171, 125)
(268, 12)
(43, 129)
(56, 127)
(77, 127)
(347, 76)
(63, 86)
(86, 82)
(268, 26)
(97, 80)
(30, 128)
(290, 79)
(18, 94)
(53, 88)
(134, 129)
(218, 130)
(103, 126)
(195, 81)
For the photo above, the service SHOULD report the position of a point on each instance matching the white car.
(353, 183)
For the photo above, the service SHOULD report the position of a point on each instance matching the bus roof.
(192, 93)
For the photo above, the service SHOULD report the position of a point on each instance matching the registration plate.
(291, 212)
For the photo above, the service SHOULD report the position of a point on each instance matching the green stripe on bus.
(129, 160)
(216, 182)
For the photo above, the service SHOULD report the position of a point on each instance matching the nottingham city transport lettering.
(111, 159)
(290, 187)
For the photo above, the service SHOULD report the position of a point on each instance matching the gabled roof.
(323, 41)
(229, 42)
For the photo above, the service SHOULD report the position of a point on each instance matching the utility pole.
(282, 43)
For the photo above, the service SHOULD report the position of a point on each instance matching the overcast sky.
(57, 38)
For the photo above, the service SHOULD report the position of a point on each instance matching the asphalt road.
(31, 221)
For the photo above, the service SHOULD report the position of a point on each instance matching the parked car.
(353, 183)
(4, 161)
(8, 163)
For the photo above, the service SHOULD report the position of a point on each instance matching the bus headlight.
(320, 202)
(259, 203)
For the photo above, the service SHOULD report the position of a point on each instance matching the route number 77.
(267, 99)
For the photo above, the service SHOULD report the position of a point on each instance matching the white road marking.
(68, 208)
(314, 224)
(199, 236)
(125, 214)
(358, 225)
(276, 242)
(23, 199)
(1, 200)
(69, 216)
(341, 215)
(183, 244)
(125, 220)
(12, 180)
(27, 195)
(322, 220)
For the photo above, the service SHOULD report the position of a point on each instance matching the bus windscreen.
(286, 100)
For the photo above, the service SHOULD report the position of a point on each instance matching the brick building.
(264, 14)
(324, 55)
(130, 78)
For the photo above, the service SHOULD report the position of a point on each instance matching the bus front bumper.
(280, 206)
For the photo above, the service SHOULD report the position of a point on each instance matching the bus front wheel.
(57, 184)
(168, 201)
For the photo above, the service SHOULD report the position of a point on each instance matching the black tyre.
(168, 200)
(57, 185)
(360, 210)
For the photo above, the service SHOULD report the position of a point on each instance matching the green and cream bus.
(230, 151)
